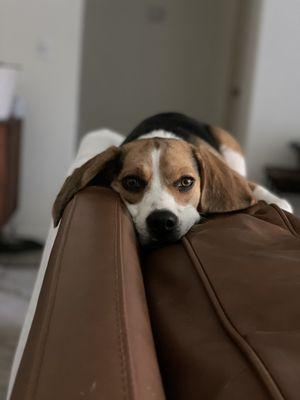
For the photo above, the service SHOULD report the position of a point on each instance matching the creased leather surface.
(224, 306)
(229, 299)
(91, 337)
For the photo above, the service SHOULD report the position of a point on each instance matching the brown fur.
(177, 161)
(217, 189)
(136, 160)
(222, 189)
(79, 179)
(226, 139)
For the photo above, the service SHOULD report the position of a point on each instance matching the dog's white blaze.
(262, 193)
(159, 133)
(158, 198)
(235, 160)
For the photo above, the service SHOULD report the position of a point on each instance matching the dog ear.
(222, 189)
(103, 165)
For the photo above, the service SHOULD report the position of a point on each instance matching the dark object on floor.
(296, 146)
(21, 259)
(15, 245)
(286, 179)
(224, 305)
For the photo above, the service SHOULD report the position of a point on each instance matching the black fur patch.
(181, 125)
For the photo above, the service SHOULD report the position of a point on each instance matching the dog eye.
(184, 183)
(133, 183)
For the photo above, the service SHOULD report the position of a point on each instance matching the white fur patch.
(262, 193)
(160, 133)
(158, 198)
(235, 160)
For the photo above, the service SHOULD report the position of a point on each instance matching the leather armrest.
(91, 336)
(225, 304)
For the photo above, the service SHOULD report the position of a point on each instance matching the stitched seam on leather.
(51, 304)
(293, 226)
(229, 327)
(121, 330)
(285, 220)
(131, 371)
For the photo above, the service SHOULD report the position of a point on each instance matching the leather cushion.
(225, 307)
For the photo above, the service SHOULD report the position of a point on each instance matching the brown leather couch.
(224, 305)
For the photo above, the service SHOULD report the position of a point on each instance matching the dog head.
(166, 185)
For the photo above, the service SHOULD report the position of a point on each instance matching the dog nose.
(161, 223)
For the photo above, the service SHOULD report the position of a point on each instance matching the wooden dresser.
(10, 131)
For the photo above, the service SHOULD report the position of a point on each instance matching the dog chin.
(147, 241)
(155, 243)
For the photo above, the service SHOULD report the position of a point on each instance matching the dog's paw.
(284, 204)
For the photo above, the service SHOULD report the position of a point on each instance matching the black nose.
(162, 223)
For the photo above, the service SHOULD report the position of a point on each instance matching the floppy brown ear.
(222, 189)
(104, 163)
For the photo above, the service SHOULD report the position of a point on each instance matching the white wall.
(274, 117)
(142, 57)
(244, 43)
(44, 36)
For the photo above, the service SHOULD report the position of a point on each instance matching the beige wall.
(274, 118)
(138, 60)
(44, 36)
(245, 43)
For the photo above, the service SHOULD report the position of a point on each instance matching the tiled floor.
(16, 283)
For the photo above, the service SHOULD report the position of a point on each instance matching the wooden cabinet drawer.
(9, 167)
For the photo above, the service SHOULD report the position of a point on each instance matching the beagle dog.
(169, 172)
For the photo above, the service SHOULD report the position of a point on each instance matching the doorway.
(141, 57)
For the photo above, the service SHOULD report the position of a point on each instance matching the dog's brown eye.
(185, 183)
(133, 183)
